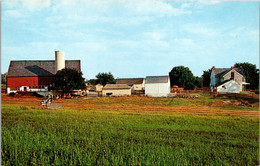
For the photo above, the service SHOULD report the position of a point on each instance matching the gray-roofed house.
(36, 75)
(227, 80)
(157, 86)
(116, 90)
(136, 83)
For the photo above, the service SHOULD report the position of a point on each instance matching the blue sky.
(132, 38)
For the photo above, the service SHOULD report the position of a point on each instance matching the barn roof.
(156, 79)
(130, 81)
(38, 68)
(116, 86)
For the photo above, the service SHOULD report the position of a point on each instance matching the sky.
(132, 38)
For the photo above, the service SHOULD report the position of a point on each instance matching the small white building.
(157, 86)
(116, 90)
(98, 87)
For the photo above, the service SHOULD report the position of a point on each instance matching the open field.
(130, 131)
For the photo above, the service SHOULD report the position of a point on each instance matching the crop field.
(131, 131)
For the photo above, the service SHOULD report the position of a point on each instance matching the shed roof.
(156, 79)
(38, 68)
(116, 86)
(130, 81)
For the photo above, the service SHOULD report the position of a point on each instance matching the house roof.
(222, 83)
(156, 79)
(130, 81)
(38, 68)
(219, 72)
(116, 86)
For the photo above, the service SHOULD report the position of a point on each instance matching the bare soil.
(200, 110)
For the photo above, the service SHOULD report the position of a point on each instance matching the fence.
(205, 90)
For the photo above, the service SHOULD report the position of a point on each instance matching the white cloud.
(14, 14)
(203, 30)
(31, 5)
(210, 2)
(155, 35)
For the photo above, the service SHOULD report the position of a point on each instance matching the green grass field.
(84, 136)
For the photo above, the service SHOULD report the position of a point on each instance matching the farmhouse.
(227, 80)
(157, 86)
(37, 75)
(116, 90)
(137, 83)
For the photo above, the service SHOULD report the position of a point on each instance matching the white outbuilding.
(157, 86)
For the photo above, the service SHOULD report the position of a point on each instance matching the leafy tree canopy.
(197, 81)
(68, 80)
(105, 78)
(206, 77)
(251, 72)
(183, 77)
(3, 78)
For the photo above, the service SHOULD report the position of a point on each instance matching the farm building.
(116, 90)
(99, 87)
(228, 80)
(137, 83)
(37, 75)
(157, 86)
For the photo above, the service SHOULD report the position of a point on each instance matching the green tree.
(92, 82)
(197, 82)
(105, 78)
(3, 79)
(251, 72)
(68, 80)
(183, 77)
(206, 77)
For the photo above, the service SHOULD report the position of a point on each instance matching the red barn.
(36, 75)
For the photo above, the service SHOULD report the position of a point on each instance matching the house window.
(232, 75)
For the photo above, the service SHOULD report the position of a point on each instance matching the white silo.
(59, 60)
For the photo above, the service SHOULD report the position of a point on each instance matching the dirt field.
(214, 108)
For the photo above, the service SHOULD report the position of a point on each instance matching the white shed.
(157, 86)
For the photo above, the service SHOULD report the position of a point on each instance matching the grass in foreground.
(32, 136)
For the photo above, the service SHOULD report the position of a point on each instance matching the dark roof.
(38, 68)
(219, 72)
(221, 83)
(116, 86)
(130, 81)
(156, 79)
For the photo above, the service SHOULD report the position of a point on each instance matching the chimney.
(59, 60)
